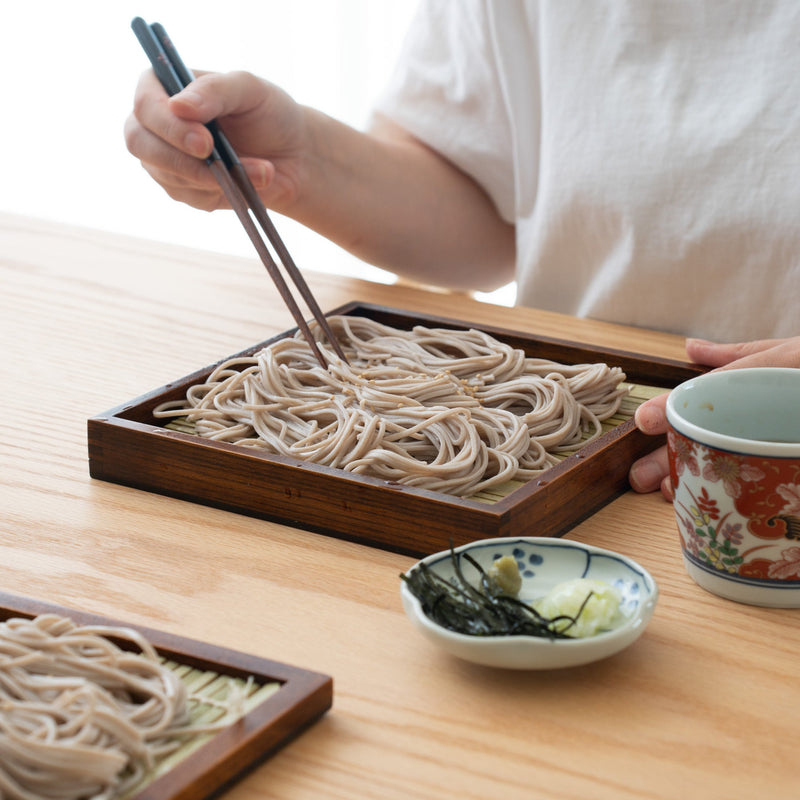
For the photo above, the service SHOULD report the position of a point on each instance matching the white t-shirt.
(647, 152)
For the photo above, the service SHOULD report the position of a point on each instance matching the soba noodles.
(447, 410)
(79, 716)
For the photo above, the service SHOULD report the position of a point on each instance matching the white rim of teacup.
(722, 441)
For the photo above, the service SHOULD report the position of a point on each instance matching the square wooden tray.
(301, 698)
(128, 446)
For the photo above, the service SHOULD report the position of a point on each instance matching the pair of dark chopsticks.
(239, 191)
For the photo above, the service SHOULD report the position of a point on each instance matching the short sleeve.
(446, 91)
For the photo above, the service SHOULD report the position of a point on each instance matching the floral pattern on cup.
(749, 526)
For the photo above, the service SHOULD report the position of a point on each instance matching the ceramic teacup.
(734, 454)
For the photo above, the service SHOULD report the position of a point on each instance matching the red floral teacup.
(734, 456)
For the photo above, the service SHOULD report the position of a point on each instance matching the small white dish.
(543, 563)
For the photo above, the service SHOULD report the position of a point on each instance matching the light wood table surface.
(705, 705)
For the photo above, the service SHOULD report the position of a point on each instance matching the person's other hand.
(651, 472)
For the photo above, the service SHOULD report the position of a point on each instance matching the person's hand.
(363, 190)
(651, 472)
(265, 126)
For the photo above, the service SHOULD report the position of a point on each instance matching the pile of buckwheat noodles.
(447, 410)
(79, 716)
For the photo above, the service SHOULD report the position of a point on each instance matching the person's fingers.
(763, 352)
(152, 110)
(161, 157)
(649, 472)
(259, 171)
(208, 198)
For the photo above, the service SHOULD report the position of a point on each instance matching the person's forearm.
(394, 203)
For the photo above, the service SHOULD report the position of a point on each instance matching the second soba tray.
(279, 701)
(129, 446)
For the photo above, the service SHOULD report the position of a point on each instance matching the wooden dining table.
(706, 704)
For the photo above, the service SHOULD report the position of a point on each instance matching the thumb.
(211, 96)
(193, 105)
(651, 416)
(214, 94)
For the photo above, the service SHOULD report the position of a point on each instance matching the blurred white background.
(68, 72)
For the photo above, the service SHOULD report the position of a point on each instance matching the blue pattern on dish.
(556, 557)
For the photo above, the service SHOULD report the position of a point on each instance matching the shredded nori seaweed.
(482, 610)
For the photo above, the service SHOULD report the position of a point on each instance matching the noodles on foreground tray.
(79, 716)
(452, 411)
